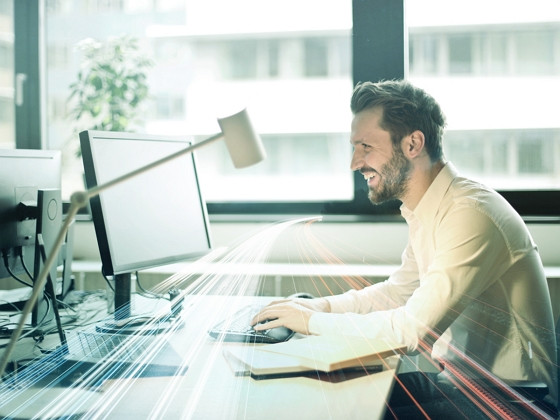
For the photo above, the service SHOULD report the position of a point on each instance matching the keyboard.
(121, 355)
(98, 346)
(238, 329)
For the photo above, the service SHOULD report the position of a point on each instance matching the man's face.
(385, 167)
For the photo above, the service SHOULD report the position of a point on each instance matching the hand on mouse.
(291, 313)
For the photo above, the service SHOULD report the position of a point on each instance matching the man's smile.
(369, 175)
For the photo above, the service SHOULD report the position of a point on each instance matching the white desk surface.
(209, 389)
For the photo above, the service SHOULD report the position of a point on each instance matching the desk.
(210, 390)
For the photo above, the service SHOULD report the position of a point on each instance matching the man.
(471, 288)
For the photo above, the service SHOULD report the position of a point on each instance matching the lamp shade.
(243, 143)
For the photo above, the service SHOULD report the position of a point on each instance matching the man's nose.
(357, 161)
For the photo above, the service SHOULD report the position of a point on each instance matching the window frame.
(374, 30)
(28, 67)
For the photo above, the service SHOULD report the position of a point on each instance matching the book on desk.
(325, 353)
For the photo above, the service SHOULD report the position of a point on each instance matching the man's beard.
(394, 179)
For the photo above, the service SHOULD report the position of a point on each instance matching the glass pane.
(460, 54)
(259, 55)
(534, 51)
(496, 81)
(423, 53)
(7, 114)
(497, 53)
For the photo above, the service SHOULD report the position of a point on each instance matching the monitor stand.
(123, 296)
(49, 219)
(50, 289)
(125, 323)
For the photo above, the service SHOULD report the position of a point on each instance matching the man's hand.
(291, 313)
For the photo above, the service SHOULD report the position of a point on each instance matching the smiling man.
(471, 289)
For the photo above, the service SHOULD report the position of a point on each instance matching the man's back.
(505, 323)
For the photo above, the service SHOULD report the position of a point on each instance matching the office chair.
(535, 391)
(499, 399)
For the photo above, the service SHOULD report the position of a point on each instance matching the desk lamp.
(245, 148)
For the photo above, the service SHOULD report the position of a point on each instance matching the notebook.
(326, 353)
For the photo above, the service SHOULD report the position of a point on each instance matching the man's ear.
(413, 144)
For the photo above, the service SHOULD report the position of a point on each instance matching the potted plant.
(111, 85)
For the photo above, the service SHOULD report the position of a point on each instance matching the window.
(460, 54)
(499, 156)
(291, 80)
(424, 54)
(495, 81)
(535, 52)
(534, 157)
(316, 57)
(273, 54)
(496, 76)
(522, 50)
(169, 107)
(58, 56)
(242, 59)
(93, 6)
(7, 116)
(496, 57)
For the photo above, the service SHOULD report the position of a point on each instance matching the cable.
(47, 311)
(10, 272)
(66, 305)
(8, 303)
(148, 293)
(27, 331)
(108, 281)
(24, 265)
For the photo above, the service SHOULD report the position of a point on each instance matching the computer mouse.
(280, 333)
(303, 295)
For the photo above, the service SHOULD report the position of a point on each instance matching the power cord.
(9, 269)
(147, 293)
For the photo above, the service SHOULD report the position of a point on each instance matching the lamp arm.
(77, 201)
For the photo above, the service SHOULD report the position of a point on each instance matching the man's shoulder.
(475, 200)
(470, 191)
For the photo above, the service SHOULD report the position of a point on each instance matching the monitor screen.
(156, 218)
(22, 174)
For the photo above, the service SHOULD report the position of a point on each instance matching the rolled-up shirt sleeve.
(378, 300)
(416, 312)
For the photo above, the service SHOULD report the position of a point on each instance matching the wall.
(351, 243)
(369, 243)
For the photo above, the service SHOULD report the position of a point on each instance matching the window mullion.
(27, 58)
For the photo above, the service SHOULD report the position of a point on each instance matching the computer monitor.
(154, 219)
(26, 177)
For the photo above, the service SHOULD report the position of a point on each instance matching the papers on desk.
(325, 353)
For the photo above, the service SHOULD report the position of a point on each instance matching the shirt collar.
(430, 201)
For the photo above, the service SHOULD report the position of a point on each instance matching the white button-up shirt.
(471, 287)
